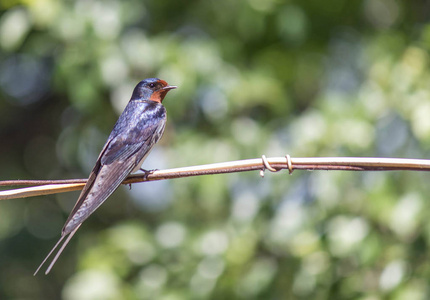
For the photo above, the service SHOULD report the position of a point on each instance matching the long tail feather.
(61, 249)
(70, 235)
(49, 254)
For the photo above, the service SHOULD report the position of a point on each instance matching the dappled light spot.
(92, 285)
(171, 234)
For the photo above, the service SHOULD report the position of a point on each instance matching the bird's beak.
(169, 87)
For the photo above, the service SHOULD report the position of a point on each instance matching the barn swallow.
(137, 130)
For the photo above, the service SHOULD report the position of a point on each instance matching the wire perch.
(45, 187)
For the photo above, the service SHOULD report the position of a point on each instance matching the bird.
(138, 129)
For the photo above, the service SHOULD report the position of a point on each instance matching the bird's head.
(153, 89)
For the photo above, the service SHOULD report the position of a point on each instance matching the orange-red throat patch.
(159, 95)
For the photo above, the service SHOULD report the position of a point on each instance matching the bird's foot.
(147, 172)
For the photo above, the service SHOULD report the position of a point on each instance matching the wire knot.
(267, 166)
(289, 163)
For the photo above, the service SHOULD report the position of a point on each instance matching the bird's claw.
(147, 173)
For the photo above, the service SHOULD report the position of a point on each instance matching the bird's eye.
(152, 85)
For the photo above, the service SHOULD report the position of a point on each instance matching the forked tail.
(59, 251)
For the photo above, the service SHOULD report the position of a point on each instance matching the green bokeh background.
(307, 78)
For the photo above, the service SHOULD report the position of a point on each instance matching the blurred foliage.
(308, 78)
